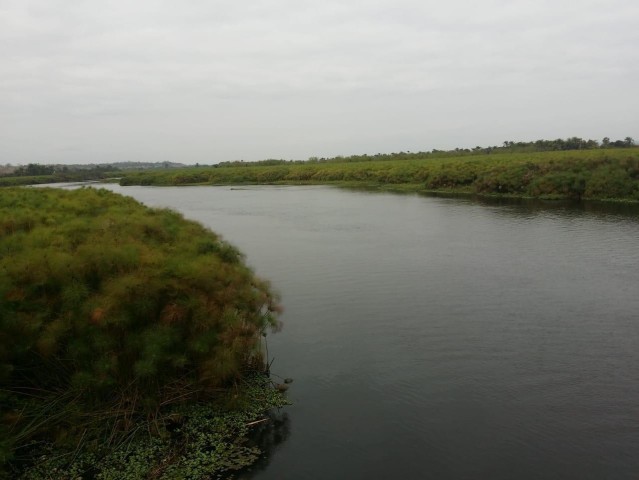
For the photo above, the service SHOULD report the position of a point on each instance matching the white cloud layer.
(86, 81)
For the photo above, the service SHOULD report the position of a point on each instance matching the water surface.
(441, 338)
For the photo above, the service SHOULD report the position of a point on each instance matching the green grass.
(611, 174)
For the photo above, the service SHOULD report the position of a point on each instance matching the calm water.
(441, 338)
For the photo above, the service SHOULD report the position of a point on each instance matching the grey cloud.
(207, 81)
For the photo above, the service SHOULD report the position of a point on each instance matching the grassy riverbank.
(127, 338)
(57, 177)
(604, 174)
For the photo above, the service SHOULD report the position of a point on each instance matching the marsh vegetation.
(125, 333)
(576, 174)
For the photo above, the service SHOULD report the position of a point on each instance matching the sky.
(204, 81)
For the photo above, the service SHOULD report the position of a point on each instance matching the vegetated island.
(129, 341)
(576, 171)
(35, 174)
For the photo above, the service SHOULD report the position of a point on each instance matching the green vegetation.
(595, 173)
(196, 441)
(574, 168)
(124, 332)
(34, 174)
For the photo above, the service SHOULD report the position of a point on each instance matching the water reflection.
(268, 437)
(520, 206)
(571, 208)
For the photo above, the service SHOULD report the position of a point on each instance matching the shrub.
(110, 310)
(609, 182)
(559, 185)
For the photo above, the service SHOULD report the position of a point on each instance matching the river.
(439, 338)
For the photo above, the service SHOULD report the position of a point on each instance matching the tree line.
(35, 169)
(508, 146)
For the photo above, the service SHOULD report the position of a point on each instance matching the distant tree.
(629, 141)
(573, 143)
(605, 142)
(34, 169)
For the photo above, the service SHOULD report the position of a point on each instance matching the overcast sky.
(88, 81)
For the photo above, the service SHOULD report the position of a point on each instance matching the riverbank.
(602, 174)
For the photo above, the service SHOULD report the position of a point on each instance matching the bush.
(111, 311)
(608, 182)
(559, 185)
